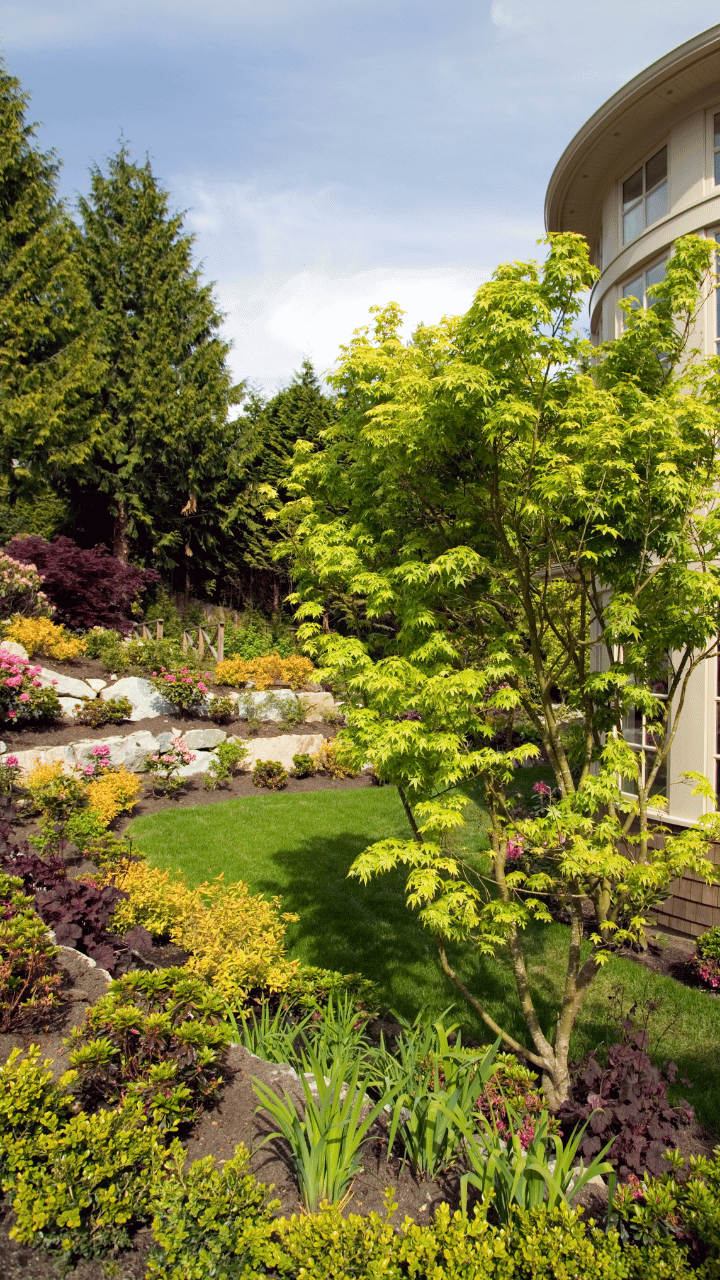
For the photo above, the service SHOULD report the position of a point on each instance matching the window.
(644, 195)
(637, 288)
(639, 735)
(716, 147)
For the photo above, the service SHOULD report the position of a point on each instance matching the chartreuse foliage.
(509, 518)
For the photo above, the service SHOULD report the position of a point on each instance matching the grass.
(301, 847)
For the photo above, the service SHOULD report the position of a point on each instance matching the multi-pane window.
(638, 733)
(644, 195)
(637, 288)
(716, 147)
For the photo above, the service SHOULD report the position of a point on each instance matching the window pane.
(629, 786)
(656, 169)
(634, 289)
(659, 786)
(632, 188)
(655, 275)
(633, 223)
(717, 129)
(656, 205)
(717, 168)
(632, 726)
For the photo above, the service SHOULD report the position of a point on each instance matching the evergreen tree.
(47, 363)
(163, 466)
(272, 428)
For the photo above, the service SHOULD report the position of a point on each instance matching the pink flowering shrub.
(22, 696)
(21, 589)
(706, 960)
(182, 686)
(164, 766)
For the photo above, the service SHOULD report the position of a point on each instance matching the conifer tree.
(163, 466)
(272, 428)
(47, 363)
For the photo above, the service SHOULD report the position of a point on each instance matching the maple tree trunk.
(120, 534)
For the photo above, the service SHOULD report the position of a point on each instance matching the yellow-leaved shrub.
(110, 794)
(41, 774)
(40, 635)
(235, 938)
(329, 759)
(272, 669)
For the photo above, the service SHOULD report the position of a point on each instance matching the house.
(643, 170)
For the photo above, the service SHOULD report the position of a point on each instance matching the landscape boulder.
(146, 701)
(68, 686)
(203, 739)
(282, 748)
(14, 649)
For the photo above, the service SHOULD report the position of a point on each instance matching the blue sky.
(332, 154)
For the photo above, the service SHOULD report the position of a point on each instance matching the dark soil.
(242, 785)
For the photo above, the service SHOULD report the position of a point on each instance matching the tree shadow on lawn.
(356, 928)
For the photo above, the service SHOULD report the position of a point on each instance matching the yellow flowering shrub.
(272, 669)
(41, 775)
(329, 759)
(110, 794)
(40, 635)
(235, 938)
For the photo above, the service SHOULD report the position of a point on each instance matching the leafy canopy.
(514, 528)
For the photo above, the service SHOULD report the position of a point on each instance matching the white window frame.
(646, 194)
(715, 144)
(645, 750)
(626, 289)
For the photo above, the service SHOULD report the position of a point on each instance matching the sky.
(334, 154)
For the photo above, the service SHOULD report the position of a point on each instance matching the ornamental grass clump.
(22, 694)
(185, 688)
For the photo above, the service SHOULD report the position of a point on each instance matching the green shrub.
(208, 1221)
(29, 978)
(31, 1103)
(182, 686)
(157, 1040)
(96, 712)
(228, 759)
(270, 774)
(303, 765)
(84, 1185)
(222, 710)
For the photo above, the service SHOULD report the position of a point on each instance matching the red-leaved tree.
(88, 587)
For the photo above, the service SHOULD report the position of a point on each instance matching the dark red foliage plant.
(626, 1098)
(88, 587)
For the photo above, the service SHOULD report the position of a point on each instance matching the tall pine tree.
(271, 429)
(47, 361)
(161, 471)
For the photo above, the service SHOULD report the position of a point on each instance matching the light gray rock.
(165, 740)
(46, 755)
(129, 751)
(14, 649)
(3, 748)
(318, 704)
(199, 765)
(268, 705)
(70, 705)
(283, 748)
(65, 685)
(203, 739)
(146, 701)
(97, 684)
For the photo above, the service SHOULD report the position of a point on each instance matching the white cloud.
(511, 16)
(298, 270)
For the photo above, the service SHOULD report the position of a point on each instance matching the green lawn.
(300, 848)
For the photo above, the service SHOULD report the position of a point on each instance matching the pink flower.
(12, 762)
(514, 849)
(541, 789)
(24, 697)
(202, 688)
(89, 771)
(13, 681)
(12, 715)
(37, 684)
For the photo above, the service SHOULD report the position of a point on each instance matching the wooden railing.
(140, 630)
(203, 639)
